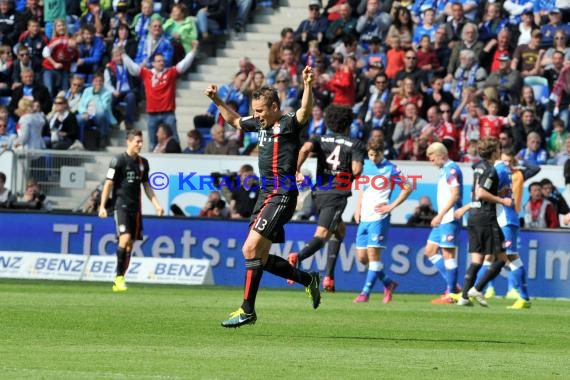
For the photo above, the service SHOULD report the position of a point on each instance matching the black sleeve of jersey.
(316, 141)
(116, 164)
(489, 179)
(249, 124)
(146, 167)
(358, 151)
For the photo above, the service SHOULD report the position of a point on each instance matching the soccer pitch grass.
(62, 330)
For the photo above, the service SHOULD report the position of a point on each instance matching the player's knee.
(340, 232)
(125, 240)
(322, 233)
(249, 250)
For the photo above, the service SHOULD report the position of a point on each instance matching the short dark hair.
(246, 168)
(375, 145)
(285, 31)
(195, 134)
(338, 118)
(509, 152)
(132, 133)
(268, 94)
(546, 181)
(166, 128)
(534, 184)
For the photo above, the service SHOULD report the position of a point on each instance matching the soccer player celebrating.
(485, 235)
(279, 144)
(127, 172)
(373, 215)
(445, 229)
(339, 160)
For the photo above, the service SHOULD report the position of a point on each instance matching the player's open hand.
(383, 208)
(211, 92)
(308, 76)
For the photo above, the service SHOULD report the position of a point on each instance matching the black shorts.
(486, 239)
(330, 209)
(271, 213)
(128, 222)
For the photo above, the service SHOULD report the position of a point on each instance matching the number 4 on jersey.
(333, 158)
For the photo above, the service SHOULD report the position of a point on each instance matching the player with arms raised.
(279, 144)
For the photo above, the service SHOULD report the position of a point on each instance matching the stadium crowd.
(412, 72)
(65, 80)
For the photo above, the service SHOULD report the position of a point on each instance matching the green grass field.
(58, 330)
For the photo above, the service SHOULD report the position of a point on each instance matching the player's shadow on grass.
(399, 339)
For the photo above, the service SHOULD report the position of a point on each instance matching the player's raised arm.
(230, 116)
(304, 112)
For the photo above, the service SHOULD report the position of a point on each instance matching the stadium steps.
(220, 69)
(222, 64)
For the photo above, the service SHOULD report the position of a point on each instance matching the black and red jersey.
(278, 151)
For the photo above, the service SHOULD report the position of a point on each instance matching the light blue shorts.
(445, 235)
(372, 234)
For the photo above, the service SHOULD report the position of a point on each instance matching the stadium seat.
(540, 87)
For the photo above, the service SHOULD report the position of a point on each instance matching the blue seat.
(540, 88)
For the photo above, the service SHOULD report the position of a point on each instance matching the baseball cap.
(504, 57)
(555, 10)
(313, 3)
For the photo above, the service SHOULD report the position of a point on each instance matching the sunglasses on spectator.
(281, 81)
(559, 38)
